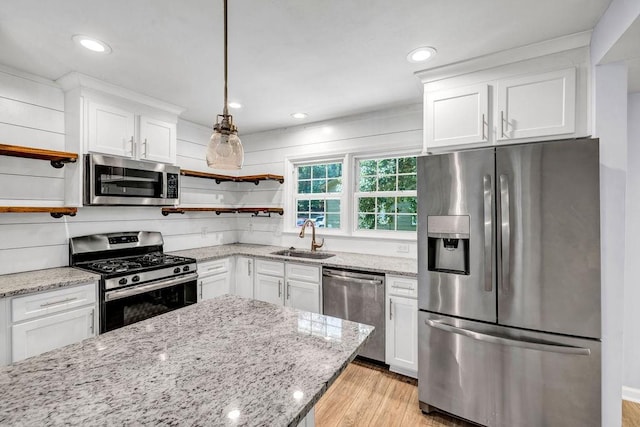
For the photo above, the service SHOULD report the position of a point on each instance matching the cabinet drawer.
(271, 268)
(209, 268)
(31, 306)
(402, 286)
(306, 273)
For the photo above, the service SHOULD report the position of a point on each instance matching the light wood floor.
(368, 395)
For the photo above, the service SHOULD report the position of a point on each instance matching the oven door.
(116, 181)
(121, 307)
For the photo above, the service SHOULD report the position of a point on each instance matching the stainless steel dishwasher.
(357, 296)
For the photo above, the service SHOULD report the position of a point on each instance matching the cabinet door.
(303, 296)
(456, 117)
(402, 335)
(48, 333)
(536, 105)
(110, 130)
(269, 288)
(214, 286)
(157, 140)
(244, 276)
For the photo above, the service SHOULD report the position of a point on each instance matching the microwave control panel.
(172, 186)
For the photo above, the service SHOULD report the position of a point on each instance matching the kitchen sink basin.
(303, 254)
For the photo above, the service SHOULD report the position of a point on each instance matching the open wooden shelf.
(228, 178)
(218, 211)
(57, 158)
(55, 212)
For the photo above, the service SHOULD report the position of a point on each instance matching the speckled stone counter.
(42, 280)
(374, 263)
(204, 364)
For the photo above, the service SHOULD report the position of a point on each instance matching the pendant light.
(225, 149)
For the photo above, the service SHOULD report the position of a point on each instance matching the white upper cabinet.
(107, 119)
(537, 105)
(456, 116)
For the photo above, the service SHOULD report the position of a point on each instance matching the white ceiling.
(325, 57)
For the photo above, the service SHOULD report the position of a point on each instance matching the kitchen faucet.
(314, 245)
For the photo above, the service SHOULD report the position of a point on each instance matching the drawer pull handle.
(48, 304)
(402, 287)
(220, 267)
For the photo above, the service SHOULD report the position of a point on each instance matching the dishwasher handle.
(353, 278)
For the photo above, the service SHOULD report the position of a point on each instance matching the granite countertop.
(41, 280)
(374, 263)
(199, 365)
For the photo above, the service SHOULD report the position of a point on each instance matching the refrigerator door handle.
(495, 339)
(488, 285)
(506, 230)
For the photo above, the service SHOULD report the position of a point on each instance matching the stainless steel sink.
(295, 253)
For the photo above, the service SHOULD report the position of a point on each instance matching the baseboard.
(632, 394)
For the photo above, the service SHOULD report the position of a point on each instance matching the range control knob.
(185, 268)
(176, 270)
(135, 279)
(122, 281)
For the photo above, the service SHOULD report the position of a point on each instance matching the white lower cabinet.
(244, 276)
(402, 325)
(289, 284)
(48, 320)
(214, 279)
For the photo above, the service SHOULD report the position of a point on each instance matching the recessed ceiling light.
(235, 105)
(92, 44)
(421, 54)
(299, 115)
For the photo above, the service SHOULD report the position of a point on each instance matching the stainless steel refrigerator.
(509, 284)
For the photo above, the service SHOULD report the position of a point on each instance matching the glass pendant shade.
(225, 151)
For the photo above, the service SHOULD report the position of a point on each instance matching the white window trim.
(378, 234)
(290, 191)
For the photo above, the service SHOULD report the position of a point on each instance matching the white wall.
(32, 114)
(384, 131)
(631, 378)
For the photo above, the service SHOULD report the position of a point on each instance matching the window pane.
(334, 185)
(304, 187)
(406, 182)
(319, 171)
(407, 222)
(333, 205)
(407, 205)
(367, 221)
(317, 205)
(368, 167)
(407, 165)
(387, 167)
(304, 172)
(387, 204)
(334, 170)
(367, 204)
(319, 186)
(386, 222)
(368, 184)
(303, 205)
(333, 221)
(387, 183)
(301, 218)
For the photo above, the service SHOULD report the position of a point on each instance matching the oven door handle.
(136, 290)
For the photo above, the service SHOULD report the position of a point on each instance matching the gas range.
(125, 271)
(138, 280)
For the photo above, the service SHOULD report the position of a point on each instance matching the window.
(318, 194)
(386, 197)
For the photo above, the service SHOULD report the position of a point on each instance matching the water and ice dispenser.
(448, 241)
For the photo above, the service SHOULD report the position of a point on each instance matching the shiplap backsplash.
(32, 114)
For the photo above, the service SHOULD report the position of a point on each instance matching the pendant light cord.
(225, 109)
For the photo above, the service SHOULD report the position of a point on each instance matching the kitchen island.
(225, 361)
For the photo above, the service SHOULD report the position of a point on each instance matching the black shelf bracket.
(61, 162)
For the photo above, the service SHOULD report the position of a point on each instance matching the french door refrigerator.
(509, 284)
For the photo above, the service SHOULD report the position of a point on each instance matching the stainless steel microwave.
(116, 181)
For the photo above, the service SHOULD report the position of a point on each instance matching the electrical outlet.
(250, 227)
(204, 231)
(404, 248)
